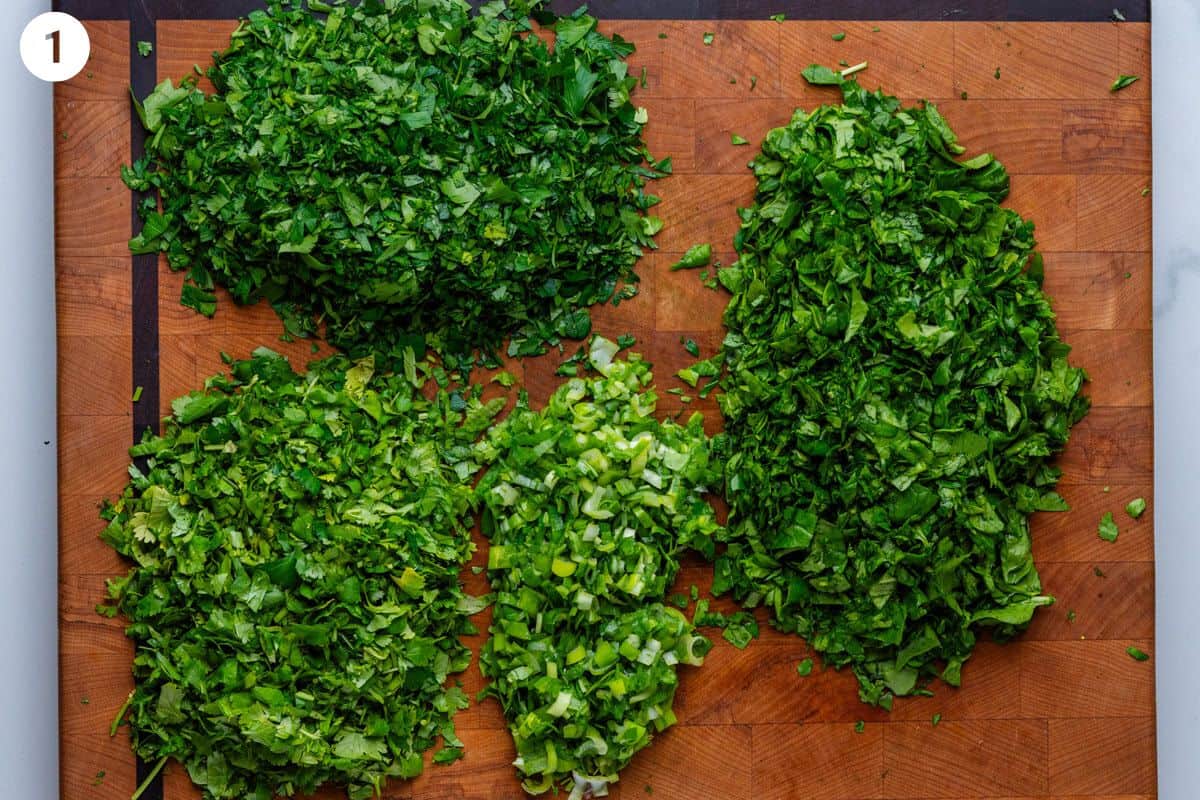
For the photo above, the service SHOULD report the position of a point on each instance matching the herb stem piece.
(848, 71)
(150, 776)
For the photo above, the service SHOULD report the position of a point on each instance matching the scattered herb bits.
(805, 667)
(839, 36)
(708, 39)
(895, 391)
(588, 505)
(404, 174)
(145, 48)
(1136, 507)
(737, 140)
(294, 597)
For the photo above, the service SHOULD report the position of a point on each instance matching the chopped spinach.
(896, 389)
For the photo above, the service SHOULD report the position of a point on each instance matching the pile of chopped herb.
(405, 173)
(295, 598)
(588, 505)
(896, 391)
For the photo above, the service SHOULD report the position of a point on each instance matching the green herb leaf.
(708, 38)
(779, 17)
(698, 255)
(1136, 654)
(1136, 507)
(737, 140)
(936, 719)
(145, 48)
(839, 36)
(819, 75)
(1122, 81)
(805, 667)
(1108, 527)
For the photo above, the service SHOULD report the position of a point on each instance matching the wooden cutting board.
(1061, 712)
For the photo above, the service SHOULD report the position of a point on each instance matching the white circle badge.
(55, 46)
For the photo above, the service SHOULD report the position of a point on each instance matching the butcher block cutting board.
(1060, 712)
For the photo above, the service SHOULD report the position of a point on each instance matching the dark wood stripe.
(1017, 10)
(143, 72)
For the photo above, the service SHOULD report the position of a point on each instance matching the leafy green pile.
(896, 390)
(295, 598)
(588, 505)
(406, 173)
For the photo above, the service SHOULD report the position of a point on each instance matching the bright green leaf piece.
(819, 75)
(1136, 507)
(698, 255)
(1108, 527)
(1122, 81)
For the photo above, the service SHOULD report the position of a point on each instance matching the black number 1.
(54, 36)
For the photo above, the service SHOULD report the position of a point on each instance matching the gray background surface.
(28, 569)
(28, 475)
(1176, 106)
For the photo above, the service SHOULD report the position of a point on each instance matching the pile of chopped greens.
(405, 173)
(588, 505)
(295, 597)
(896, 390)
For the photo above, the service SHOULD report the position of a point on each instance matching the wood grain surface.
(1061, 712)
